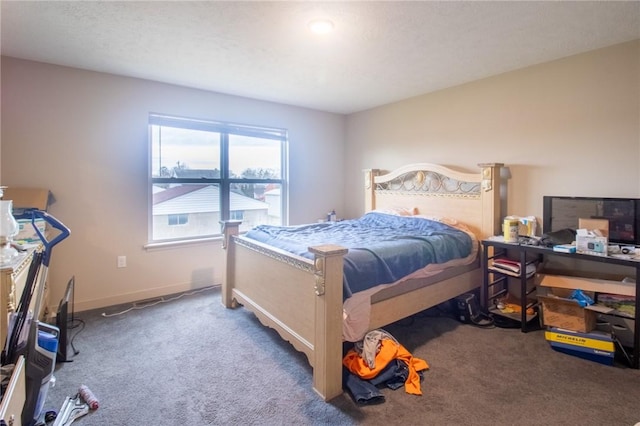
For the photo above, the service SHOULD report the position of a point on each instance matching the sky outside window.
(197, 149)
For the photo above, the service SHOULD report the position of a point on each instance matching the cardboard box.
(27, 198)
(560, 311)
(601, 225)
(593, 340)
(595, 346)
(27, 233)
(591, 281)
(587, 243)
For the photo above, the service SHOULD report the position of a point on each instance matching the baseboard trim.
(136, 297)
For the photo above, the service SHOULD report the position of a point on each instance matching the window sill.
(181, 243)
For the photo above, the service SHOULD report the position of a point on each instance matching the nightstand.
(522, 267)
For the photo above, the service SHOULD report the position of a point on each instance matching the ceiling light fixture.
(321, 26)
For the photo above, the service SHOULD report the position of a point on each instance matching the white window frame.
(224, 181)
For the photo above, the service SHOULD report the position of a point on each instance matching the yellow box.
(594, 340)
(594, 346)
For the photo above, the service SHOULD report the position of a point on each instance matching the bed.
(302, 298)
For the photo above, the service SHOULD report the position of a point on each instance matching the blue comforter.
(382, 248)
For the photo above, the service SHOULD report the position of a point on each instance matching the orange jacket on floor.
(389, 351)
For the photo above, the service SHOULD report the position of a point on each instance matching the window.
(237, 215)
(202, 172)
(178, 219)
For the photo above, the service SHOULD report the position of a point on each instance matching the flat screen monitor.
(623, 214)
(64, 319)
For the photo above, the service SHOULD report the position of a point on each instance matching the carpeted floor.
(192, 362)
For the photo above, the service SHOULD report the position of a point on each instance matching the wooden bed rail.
(317, 291)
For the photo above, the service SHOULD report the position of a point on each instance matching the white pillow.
(398, 211)
(446, 220)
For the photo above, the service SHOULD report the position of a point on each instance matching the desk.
(528, 252)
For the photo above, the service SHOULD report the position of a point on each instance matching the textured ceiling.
(380, 52)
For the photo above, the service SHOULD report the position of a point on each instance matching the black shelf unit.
(493, 247)
(496, 284)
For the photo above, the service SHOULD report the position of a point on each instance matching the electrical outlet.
(122, 261)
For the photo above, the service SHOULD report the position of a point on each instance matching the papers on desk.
(511, 267)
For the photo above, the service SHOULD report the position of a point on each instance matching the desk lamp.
(9, 228)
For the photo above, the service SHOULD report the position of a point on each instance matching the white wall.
(83, 135)
(568, 127)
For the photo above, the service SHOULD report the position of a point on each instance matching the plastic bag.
(581, 298)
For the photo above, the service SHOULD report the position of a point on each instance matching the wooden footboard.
(302, 299)
(299, 298)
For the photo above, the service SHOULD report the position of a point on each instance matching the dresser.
(13, 279)
(14, 396)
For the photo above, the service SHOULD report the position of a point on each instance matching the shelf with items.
(589, 274)
(508, 266)
(500, 270)
(510, 308)
(610, 295)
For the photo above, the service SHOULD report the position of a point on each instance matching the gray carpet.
(193, 362)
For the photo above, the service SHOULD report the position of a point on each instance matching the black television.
(623, 214)
(64, 319)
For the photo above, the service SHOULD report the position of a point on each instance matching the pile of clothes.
(380, 360)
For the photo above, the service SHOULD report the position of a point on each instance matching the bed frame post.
(327, 350)
(369, 188)
(491, 204)
(229, 229)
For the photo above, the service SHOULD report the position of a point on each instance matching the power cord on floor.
(161, 300)
(75, 323)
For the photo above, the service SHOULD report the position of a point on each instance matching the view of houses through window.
(203, 172)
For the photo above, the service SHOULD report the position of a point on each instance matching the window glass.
(195, 207)
(178, 219)
(253, 157)
(261, 203)
(202, 172)
(237, 215)
(180, 152)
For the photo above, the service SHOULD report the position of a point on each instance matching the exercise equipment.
(40, 347)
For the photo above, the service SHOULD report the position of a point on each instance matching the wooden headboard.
(438, 191)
